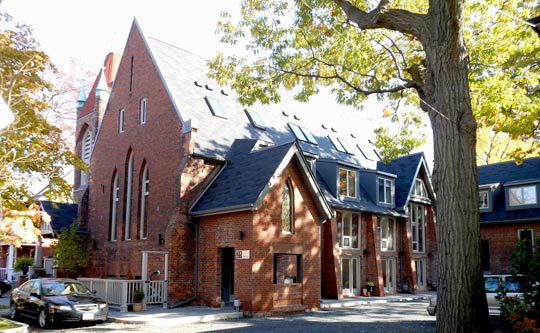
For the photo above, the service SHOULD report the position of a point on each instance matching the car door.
(32, 299)
(492, 285)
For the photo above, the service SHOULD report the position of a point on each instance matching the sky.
(86, 31)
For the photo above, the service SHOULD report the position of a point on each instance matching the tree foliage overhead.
(32, 150)
(310, 43)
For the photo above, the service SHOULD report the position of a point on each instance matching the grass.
(6, 324)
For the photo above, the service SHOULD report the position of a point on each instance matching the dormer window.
(420, 189)
(522, 196)
(347, 183)
(385, 190)
(484, 199)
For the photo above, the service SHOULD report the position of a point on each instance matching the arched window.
(287, 209)
(145, 190)
(127, 197)
(85, 153)
(115, 191)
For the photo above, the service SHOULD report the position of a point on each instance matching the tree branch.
(384, 17)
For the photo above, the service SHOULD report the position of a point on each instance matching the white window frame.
(418, 227)
(86, 149)
(346, 230)
(387, 234)
(114, 208)
(387, 190)
(142, 111)
(347, 193)
(389, 269)
(420, 190)
(353, 276)
(420, 267)
(129, 193)
(484, 199)
(145, 183)
(121, 121)
(517, 196)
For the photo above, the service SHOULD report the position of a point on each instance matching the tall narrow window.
(127, 197)
(386, 191)
(121, 121)
(347, 183)
(142, 111)
(85, 154)
(348, 230)
(417, 227)
(287, 209)
(484, 199)
(115, 191)
(387, 234)
(131, 74)
(145, 190)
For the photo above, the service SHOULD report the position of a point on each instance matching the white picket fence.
(120, 293)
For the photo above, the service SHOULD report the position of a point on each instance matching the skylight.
(255, 119)
(215, 107)
(338, 144)
(302, 133)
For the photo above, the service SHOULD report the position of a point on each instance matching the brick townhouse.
(509, 210)
(264, 204)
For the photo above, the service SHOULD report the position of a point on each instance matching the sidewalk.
(156, 315)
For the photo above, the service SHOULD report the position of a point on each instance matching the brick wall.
(253, 277)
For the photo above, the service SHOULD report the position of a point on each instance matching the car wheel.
(13, 313)
(43, 318)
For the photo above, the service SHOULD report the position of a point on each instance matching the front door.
(227, 275)
(350, 275)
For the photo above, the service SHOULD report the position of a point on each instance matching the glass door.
(350, 275)
(389, 274)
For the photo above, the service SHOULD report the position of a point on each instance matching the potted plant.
(138, 298)
(23, 264)
(369, 287)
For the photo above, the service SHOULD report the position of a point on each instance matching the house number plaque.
(242, 254)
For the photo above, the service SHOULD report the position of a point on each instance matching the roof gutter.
(225, 210)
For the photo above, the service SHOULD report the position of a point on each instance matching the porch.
(119, 293)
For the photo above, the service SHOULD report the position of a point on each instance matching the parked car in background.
(5, 286)
(57, 300)
(492, 282)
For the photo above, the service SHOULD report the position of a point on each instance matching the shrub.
(138, 296)
(23, 264)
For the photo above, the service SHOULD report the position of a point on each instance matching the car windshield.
(55, 288)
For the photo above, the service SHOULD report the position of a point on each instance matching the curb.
(177, 320)
(23, 328)
(335, 305)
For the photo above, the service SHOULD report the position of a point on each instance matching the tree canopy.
(303, 45)
(457, 62)
(33, 149)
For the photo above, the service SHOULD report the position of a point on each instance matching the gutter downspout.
(196, 282)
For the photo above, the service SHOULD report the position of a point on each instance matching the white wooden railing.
(9, 274)
(119, 293)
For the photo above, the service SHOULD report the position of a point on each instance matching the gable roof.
(184, 75)
(62, 214)
(250, 173)
(506, 174)
(406, 168)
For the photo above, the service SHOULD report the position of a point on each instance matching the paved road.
(405, 317)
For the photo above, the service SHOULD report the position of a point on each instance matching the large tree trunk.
(461, 300)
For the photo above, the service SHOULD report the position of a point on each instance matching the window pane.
(381, 190)
(287, 268)
(352, 184)
(286, 209)
(355, 228)
(345, 273)
(342, 182)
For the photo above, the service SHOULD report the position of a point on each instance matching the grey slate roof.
(247, 177)
(507, 173)
(406, 168)
(62, 214)
(184, 75)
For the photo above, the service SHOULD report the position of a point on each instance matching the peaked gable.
(248, 176)
(407, 168)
